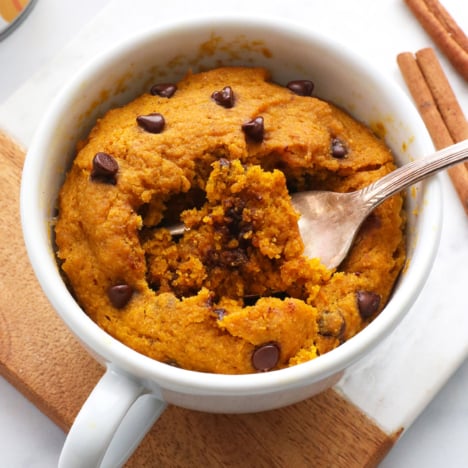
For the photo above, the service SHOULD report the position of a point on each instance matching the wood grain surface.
(42, 359)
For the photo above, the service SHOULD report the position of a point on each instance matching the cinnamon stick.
(445, 32)
(438, 107)
(424, 100)
(443, 94)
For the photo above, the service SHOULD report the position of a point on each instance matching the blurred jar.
(12, 13)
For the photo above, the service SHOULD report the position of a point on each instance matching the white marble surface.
(37, 57)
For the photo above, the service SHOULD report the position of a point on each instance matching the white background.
(439, 437)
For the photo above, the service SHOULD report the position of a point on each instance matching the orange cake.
(221, 151)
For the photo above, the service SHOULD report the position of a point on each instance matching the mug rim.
(113, 352)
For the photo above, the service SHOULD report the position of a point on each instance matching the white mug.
(135, 389)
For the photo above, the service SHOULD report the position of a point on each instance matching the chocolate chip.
(332, 323)
(120, 295)
(338, 148)
(235, 258)
(254, 129)
(152, 123)
(233, 213)
(228, 258)
(266, 356)
(166, 90)
(105, 168)
(224, 98)
(301, 87)
(372, 221)
(368, 303)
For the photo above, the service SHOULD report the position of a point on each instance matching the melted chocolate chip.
(368, 303)
(232, 258)
(372, 221)
(235, 258)
(224, 98)
(338, 148)
(166, 90)
(152, 123)
(254, 129)
(301, 87)
(120, 295)
(233, 215)
(266, 356)
(105, 168)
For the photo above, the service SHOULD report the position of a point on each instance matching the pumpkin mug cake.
(222, 151)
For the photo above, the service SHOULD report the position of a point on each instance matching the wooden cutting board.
(41, 358)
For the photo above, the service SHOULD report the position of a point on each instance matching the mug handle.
(114, 419)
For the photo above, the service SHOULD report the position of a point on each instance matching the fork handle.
(413, 172)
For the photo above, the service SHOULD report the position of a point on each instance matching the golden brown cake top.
(222, 150)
